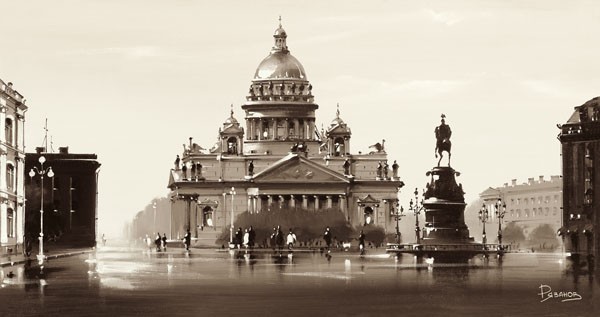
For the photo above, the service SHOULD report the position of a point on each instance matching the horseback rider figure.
(442, 134)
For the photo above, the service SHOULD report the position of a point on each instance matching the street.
(122, 281)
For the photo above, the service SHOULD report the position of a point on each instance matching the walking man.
(187, 240)
(327, 238)
(291, 239)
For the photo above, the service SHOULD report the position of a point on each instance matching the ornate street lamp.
(397, 213)
(416, 207)
(484, 217)
(500, 212)
(232, 193)
(41, 171)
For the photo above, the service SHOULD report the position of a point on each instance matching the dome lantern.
(280, 36)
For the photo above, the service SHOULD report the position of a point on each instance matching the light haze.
(132, 80)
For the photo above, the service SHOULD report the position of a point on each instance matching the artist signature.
(546, 293)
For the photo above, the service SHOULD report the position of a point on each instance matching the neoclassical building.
(12, 166)
(277, 158)
(529, 204)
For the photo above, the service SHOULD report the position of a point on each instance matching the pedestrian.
(164, 242)
(239, 237)
(279, 239)
(251, 237)
(148, 242)
(158, 242)
(103, 240)
(327, 238)
(272, 238)
(246, 238)
(291, 239)
(361, 242)
(187, 240)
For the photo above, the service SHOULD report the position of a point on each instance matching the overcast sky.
(132, 80)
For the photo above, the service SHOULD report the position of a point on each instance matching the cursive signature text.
(546, 293)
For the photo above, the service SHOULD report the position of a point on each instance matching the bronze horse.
(443, 144)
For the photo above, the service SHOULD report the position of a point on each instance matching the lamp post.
(232, 193)
(398, 213)
(416, 208)
(154, 207)
(500, 212)
(484, 217)
(41, 171)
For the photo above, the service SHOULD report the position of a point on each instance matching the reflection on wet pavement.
(132, 281)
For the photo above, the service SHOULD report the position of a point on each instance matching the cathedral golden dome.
(280, 64)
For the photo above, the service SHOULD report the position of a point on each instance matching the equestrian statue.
(442, 134)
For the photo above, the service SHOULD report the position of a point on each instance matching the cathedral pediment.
(339, 129)
(295, 168)
(368, 200)
(232, 129)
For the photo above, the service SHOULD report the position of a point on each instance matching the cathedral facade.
(277, 158)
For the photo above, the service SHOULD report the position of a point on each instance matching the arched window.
(338, 147)
(232, 145)
(369, 216)
(207, 220)
(10, 177)
(8, 131)
(10, 223)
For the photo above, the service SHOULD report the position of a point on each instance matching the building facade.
(580, 142)
(70, 197)
(12, 157)
(277, 158)
(530, 204)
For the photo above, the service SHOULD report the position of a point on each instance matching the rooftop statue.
(442, 134)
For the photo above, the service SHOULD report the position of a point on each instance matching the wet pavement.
(123, 281)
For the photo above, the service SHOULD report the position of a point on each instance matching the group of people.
(278, 239)
(245, 238)
(160, 243)
(327, 237)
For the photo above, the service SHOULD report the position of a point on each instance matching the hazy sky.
(132, 80)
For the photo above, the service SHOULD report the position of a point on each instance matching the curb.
(22, 259)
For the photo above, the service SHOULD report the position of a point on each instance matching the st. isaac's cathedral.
(280, 159)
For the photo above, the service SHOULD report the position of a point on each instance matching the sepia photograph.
(295, 158)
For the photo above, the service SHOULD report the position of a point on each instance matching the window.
(232, 145)
(10, 223)
(10, 177)
(8, 131)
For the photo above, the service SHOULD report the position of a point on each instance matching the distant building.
(529, 205)
(70, 198)
(280, 159)
(580, 140)
(12, 155)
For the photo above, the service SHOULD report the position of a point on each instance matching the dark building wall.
(70, 198)
(580, 140)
